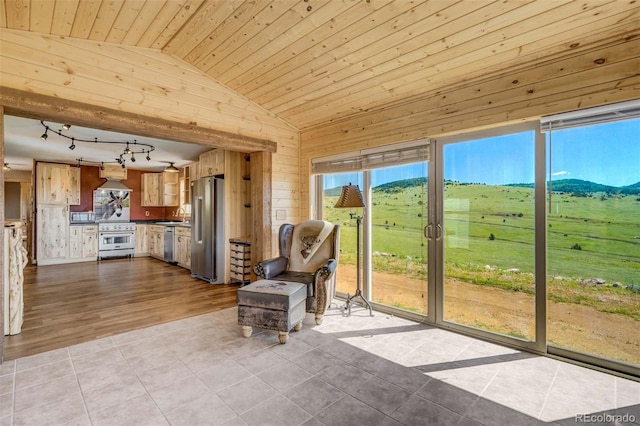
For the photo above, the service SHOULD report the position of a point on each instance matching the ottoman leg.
(246, 331)
(298, 326)
(283, 336)
(319, 318)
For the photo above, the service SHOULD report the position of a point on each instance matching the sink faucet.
(184, 213)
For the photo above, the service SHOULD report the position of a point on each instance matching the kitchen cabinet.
(83, 242)
(211, 163)
(74, 186)
(52, 183)
(155, 235)
(189, 174)
(52, 227)
(112, 171)
(170, 182)
(160, 189)
(90, 241)
(142, 241)
(151, 189)
(75, 241)
(182, 246)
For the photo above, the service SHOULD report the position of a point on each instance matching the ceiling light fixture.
(131, 148)
(6, 167)
(171, 168)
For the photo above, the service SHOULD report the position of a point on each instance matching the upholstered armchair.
(309, 255)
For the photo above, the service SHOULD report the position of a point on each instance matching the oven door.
(116, 241)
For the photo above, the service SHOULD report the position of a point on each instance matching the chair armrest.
(270, 268)
(325, 271)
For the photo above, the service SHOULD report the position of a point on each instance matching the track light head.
(73, 144)
(44, 135)
(133, 159)
(102, 166)
(66, 126)
(148, 157)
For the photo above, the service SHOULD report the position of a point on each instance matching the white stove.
(116, 239)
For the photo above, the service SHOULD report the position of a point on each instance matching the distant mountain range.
(575, 186)
(578, 186)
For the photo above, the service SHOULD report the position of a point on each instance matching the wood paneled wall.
(150, 83)
(589, 77)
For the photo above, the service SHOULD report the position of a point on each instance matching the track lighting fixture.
(131, 148)
(6, 167)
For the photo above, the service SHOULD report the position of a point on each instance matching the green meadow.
(489, 238)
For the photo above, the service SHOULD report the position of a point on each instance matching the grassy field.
(489, 241)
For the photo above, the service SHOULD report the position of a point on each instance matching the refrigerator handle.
(197, 223)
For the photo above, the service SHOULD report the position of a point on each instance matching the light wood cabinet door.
(52, 183)
(152, 191)
(142, 240)
(75, 242)
(53, 232)
(183, 247)
(211, 163)
(90, 241)
(74, 186)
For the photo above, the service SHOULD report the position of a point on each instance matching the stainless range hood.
(113, 185)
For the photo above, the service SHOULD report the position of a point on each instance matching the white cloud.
(561, 173)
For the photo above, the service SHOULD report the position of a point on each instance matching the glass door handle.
(438, 232)
(428, 231)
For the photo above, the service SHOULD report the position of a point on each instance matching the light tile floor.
(354, 370)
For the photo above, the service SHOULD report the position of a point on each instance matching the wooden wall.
(589, 77)
(147, 82)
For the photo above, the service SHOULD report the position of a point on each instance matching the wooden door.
(53, 231)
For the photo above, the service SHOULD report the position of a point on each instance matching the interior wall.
(12, 193)
(579, 79)
(147, 82)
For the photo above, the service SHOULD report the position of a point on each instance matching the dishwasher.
(169, 232)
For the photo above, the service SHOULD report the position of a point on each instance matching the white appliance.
(207, 229)
(116, 239)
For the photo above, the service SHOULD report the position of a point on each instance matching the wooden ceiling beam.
(42, 107)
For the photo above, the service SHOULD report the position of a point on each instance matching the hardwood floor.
(74, 303)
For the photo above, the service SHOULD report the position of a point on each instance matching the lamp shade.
(171, 168)
(350, 197)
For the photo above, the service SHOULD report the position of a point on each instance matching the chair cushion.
(298, 277)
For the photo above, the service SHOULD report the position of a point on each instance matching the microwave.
(82, 217)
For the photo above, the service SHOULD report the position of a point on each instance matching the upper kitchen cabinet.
(160, 189)
(152, 191)
(111, 171)
(52, 183)
(211, 163)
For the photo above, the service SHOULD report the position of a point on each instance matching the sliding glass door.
(487, 232)
(593, 250)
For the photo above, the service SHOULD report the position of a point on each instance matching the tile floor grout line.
(75, 374)
(546, 398)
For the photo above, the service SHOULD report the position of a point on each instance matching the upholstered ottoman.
(272, 305)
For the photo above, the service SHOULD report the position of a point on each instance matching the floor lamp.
(351, 197)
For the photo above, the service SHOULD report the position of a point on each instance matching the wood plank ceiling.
(318, 61)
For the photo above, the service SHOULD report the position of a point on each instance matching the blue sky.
(608, 154)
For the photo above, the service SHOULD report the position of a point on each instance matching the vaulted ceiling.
(312, 62)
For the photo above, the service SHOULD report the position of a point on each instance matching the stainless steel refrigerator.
(207, 229)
